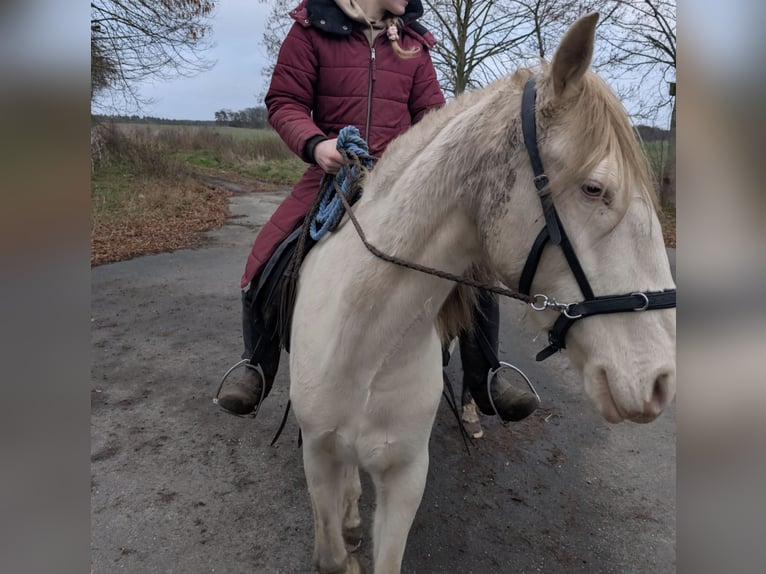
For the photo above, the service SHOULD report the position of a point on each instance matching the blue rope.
(330, 208)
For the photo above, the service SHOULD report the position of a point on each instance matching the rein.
(422, 268)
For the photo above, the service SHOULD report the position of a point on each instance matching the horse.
(465, 187)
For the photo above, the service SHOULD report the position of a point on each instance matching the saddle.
(272, 300)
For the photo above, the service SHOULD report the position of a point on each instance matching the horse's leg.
(399, 490)
(395, 447)
(352, 521)
(325, 479)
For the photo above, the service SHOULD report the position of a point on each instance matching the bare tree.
(550, 19)
(643, 44)
(473, 38)
(278, 25)
(481, 40)
(642, 47)
(132, 40)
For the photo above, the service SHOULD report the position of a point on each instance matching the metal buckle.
(247, 365)
(565, 311)
(646, 302)
(548, 303)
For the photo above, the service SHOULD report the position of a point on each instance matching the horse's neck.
(425, 199)
(424, 222)
(420, 224)
(413, 204)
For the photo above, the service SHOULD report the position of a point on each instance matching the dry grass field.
(146, 196)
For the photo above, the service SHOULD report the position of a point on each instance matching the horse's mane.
(595, 114)
(415, 141)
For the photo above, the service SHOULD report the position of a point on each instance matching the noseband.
(554, 233)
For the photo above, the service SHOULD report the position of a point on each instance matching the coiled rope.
(330, 210)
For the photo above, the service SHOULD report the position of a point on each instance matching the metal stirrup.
(490, 376)
(247, 365)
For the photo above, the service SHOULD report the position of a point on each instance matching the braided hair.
(394, 25)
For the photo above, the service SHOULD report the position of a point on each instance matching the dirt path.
(178, 486)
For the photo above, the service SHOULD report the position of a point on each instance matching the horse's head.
(600, 186)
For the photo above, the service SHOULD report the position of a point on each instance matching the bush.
(135, 150)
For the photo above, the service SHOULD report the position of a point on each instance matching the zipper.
(369, 90)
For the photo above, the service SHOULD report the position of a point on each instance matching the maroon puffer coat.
(328, 76)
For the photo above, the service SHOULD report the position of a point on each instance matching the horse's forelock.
(599, 127)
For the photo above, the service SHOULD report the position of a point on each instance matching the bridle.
(554, 233)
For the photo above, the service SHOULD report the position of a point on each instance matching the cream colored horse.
(455, 190)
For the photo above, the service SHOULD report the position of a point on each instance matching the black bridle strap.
(602, 306)
(640, 301)
(574, 262)
(533, 260)
(554, 229)
(529, 130)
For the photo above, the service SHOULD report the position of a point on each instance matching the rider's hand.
(327, 157)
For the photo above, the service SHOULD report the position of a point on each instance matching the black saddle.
(271, 299)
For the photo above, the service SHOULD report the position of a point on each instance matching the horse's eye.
(591, 190)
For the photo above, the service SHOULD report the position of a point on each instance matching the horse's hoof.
(353, 538)
(471, 420)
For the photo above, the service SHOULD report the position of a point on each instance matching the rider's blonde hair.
(398, 50)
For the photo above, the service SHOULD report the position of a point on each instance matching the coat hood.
(339, 17)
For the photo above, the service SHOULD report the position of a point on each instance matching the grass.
(212, 149)
(282, 171)
(110, 192)
(145, 198)
(668, 222)
(656, 153)
(287, 171)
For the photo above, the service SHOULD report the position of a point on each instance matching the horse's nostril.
(660, 391)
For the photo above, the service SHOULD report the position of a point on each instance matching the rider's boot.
(262, 349)
(512, 403)
(244, 395)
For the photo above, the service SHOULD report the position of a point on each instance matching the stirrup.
(490, 376)
(257, 368)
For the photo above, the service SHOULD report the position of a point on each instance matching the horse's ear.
(573, 56)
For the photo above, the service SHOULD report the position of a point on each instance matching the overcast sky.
(234, 83)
